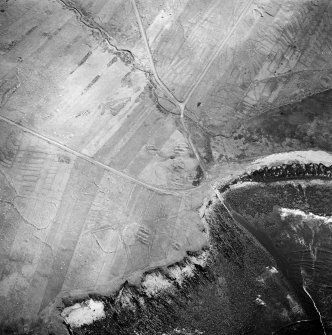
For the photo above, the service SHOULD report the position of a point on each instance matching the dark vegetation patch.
(308, 121)
(199, 176)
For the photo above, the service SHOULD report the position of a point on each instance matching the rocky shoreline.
(165, 294)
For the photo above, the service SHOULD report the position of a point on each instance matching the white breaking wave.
(83, 313)
(154, 283)
(285, 212)
(301, 157)
(272, 269)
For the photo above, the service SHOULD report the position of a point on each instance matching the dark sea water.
(278, 216)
